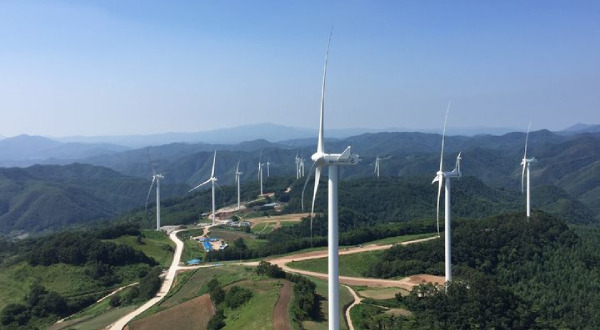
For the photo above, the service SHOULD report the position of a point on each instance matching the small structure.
(207, 246)
(194, 262)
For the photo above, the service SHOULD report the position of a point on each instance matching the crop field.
(193, 314)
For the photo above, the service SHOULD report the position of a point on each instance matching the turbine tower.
(237, 180)
(212, 180)
(297, 159)
(301, 167)
(322, 159)
(439, 177)
(260, 176)
(525, 162)
(377, 160)
(156, 177)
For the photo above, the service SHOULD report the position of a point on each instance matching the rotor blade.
(200, 185)
(149, 191)
(312, 209)
(221, 189)
(150, 161)
(523, 176)
(444, 137)
(320, 143)
(526, 141)
(438, 204)
(312, 168)
(212, 172)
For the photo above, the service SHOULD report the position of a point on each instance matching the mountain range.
(101, 180)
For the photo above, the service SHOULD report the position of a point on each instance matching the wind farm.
(215, 105)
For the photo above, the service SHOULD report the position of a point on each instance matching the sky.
(113, 67)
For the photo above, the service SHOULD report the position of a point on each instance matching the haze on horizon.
(142, 67)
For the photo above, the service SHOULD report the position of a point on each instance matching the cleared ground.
(382, 293)
(193, 314)
(281, 315)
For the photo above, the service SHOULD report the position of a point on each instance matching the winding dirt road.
(165, 287)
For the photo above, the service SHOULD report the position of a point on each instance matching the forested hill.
(510, 272)
(45, 197)
(570, 162)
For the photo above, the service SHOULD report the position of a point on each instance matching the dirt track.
(281, 319)
(406, 283)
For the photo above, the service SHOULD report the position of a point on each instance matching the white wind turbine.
(525, 162)
(237, 180)
(156, 177)
(212, 180)
(260, 175)
(297, 159)
(322, 159)
(269, 168)
(377, 160)
(439, 177)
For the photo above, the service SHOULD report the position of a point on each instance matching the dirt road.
(281, 318)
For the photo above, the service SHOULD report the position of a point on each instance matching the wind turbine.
(269, 168)
(322, 159)
(377, 160)
(212, 180)
(301, 167)
(156, 177)
(439, 177)
(525, 162)
(237, 180)
(297, 159)
(260, 175)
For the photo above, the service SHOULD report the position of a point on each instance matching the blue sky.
(138, 67)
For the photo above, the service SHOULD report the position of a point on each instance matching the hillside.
(49, 197)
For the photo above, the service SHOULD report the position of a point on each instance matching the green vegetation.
(74, 269)
(354, 265)
(154, 244)
(510, 272)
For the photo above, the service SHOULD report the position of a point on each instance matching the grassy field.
(381, 293)
(155, 244)
(230, 235)
(257, 313)
(350, 264)
(401, 239)
(98, 321)
(67, 280)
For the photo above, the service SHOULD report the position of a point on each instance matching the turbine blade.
(444, 137)
(149, 191)
(320, 143)
(150, 161)
(200, 185)
(212, 172)
(312, 168)
(312, 209)
(523, 177)
(526, 141)
(438, 204)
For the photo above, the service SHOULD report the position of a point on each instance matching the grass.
(230, 235)
(382, 293)
(257, 313)
(353, 265)
(156, 245)
(67, 280)
(98, 320)
(401, 239)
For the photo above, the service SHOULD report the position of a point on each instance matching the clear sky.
(135, 67)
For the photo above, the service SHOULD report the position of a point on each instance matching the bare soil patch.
(193, 314)
(281, 318)
(425, 278)
(386, 293)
